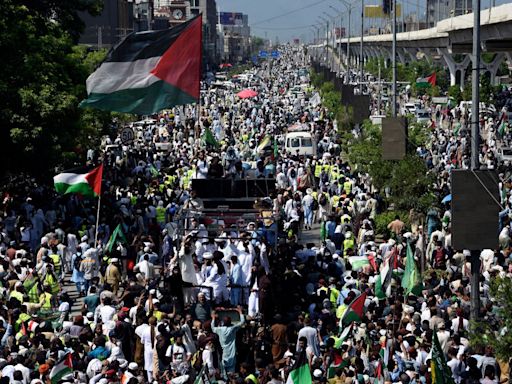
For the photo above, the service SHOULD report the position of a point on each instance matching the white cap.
(317, 373)
(207, 255)
(133, 366)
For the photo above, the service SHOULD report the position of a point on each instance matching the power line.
(288, 13)
(285, 28)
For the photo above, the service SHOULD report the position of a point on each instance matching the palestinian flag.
(300, 373)
(343, 336)
(379, 377)
(411, 281)
(149, 71)
(85, 181)
(354, 311)
(383, 282)
(61, 369)
(358, 262)
(337, 363)
(502, 124)
(441, 373)
(116, 237)
(424, 82)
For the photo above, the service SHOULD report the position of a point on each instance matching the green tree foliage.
(42, 81)
(495, 329)
(455, 93)
(408, 180)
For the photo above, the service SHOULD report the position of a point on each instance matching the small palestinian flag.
(423, 82)
(383, 282)
(149, 71)
(358, 262)
(61, 369)
(354, 311)
(84, 181)
(337, 363)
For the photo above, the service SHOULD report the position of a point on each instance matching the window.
(306, 142)
(295, 142)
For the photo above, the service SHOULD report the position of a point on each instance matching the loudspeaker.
(475, 209)
(361, 108)
(394, 138)
(347, 94)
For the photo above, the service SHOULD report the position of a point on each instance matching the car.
(410, 108)
(505, 154)
(422, 116)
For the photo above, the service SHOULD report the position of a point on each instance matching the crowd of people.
(166, 294)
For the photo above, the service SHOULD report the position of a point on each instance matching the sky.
(289, 19)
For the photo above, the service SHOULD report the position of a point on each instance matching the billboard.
(231, 18)
(339, 32)
(376, 12)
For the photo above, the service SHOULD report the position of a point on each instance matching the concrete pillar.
(400, 56)
(453, 66)
(493, 66)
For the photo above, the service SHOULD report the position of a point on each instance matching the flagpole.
(97, 221)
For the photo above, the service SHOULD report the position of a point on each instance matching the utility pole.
(475, 149)
(100, 37)
(361, 64)
(393, 61)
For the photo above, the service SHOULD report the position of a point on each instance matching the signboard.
(296, 41)
(274, 54)
(339, 32)
(376, 12)
(231, 18)
(263, 54)
(127, 135)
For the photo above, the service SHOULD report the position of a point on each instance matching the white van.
(301, 143)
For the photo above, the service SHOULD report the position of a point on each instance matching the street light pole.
(332, 18)
(339, 46)
(393, 54)
(475, 149)
(361, 65)
(326, 36)
(347, 67)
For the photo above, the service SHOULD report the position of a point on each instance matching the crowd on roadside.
(178, 297)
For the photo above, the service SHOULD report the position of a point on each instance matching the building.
(443, 9)
(169, 13)
(115, 22)
(235, 33)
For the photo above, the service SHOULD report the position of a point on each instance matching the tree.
(408, 180)
(42, 81)
(494, 328)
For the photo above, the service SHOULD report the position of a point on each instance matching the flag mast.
(99, 207)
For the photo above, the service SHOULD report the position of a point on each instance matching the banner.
(376, 12)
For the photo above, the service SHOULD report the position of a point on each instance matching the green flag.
(441, 373)
(411, 281)
(115, 237)
(300, 373)
(209, 139)
(276, 148)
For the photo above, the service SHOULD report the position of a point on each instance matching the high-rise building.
(235, 32)
(443, 9)
(114, 23)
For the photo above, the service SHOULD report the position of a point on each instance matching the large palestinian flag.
(84, 181)
(149, 71)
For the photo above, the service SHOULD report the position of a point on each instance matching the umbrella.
(225, 65)
(247, 93)
(447, 199)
